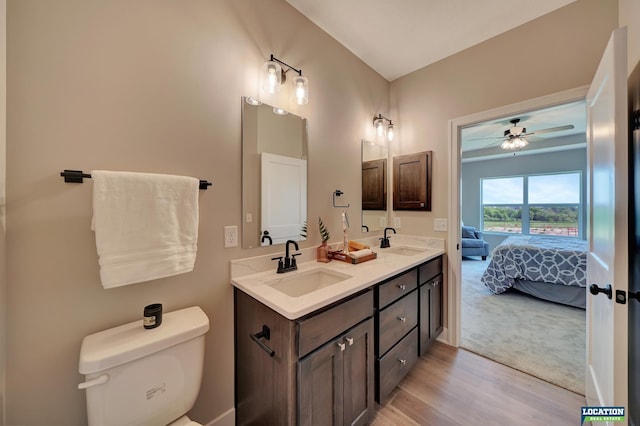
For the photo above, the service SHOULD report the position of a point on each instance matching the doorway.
(457, 209)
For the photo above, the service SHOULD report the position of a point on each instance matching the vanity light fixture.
(279, 111)
(274, 75)
(379, 122)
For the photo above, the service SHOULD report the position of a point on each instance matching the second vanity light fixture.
(273, 76)
(379, 122)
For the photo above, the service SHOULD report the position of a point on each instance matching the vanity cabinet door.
(431, 322)
(336, 382)
(320, 384)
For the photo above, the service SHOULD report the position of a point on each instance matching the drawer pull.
(266, 333)
(349, 340)
(402, 319)
(402, 286)
(403, 362)
(436, 283)
(342, 346)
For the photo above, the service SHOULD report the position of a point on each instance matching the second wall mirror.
(375, 175)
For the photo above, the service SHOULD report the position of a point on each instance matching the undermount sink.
(300, 283)
(403, 251)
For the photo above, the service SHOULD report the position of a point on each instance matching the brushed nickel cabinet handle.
(402, 286)
(342, 346)
(349, 340)
(402, 319)
(403, 362)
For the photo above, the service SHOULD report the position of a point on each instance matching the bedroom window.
(533, 204)
(502, 203)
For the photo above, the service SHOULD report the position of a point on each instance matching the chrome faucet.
(384, 242)
(289, 263)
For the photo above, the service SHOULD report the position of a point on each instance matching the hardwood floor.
(450, 386)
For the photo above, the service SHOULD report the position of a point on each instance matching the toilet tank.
(138, 376)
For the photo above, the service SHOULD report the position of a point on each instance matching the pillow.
(468, 232)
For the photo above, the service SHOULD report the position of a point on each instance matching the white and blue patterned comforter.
(556, 260)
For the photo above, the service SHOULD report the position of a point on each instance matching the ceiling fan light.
(507, 144)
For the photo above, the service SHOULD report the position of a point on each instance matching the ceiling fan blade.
(484, 139)
(551, 129)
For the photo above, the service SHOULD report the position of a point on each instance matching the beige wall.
(149, 86)
(553, 53)
(155, 86)
(3, 166)
(629, 15)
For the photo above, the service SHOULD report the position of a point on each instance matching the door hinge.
(621, 296)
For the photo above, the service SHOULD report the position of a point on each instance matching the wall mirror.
(274, 174)
(375, 174)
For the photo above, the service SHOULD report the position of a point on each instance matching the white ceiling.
(397, 37)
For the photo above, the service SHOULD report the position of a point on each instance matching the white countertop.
(250, 276)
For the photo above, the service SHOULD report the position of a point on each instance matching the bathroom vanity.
(329, 354)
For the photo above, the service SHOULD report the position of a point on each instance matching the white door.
(284, 197)
(607, 262)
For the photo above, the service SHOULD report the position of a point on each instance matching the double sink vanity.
(325, 343)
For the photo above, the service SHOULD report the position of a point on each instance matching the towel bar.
(78, 176)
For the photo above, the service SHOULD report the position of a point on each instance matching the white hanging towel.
(146, 225)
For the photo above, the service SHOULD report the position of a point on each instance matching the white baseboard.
(227, 418)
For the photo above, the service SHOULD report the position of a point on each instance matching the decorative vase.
(322, 253)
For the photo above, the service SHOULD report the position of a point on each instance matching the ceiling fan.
(515, 136)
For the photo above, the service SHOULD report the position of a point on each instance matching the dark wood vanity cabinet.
(331, 366)
(412, 175)
(396, 331)
(431, 319)
(336, 381)
(322, 368)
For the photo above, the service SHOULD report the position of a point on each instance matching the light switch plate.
(440, 225)
(230, 236)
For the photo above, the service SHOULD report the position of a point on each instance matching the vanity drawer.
(396, 320)
(430, 269)
(396, 364)
(319, 329)
(397, 287)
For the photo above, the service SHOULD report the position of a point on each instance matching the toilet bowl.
(145, 376)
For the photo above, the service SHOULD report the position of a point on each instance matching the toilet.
(138, 376)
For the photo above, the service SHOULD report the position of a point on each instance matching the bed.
(550, 268)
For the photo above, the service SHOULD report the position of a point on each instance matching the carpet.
(544, 339)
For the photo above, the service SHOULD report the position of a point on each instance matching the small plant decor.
(322, 253)
(303, 230)
(324, 232)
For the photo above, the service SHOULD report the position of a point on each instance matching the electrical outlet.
(230, 236)
(397, 222)
(440, 225)
(249, 218)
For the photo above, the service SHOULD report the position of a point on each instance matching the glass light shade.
(390, 132)
(271, 77)
(379, 125)
(301, 89)
(279, 111)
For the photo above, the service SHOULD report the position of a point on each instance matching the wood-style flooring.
(450, 386)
